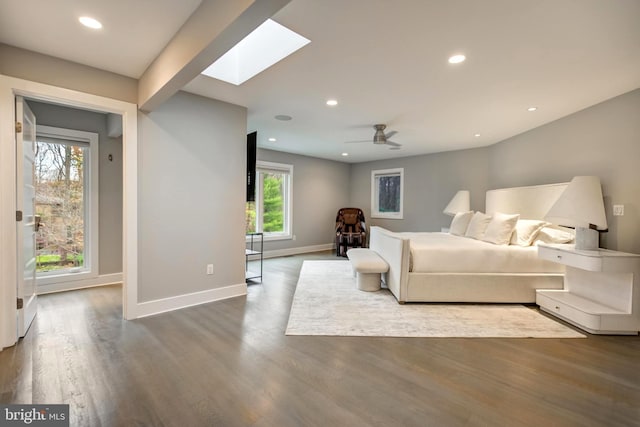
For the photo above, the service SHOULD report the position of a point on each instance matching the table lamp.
(459, 203)
(581, 206)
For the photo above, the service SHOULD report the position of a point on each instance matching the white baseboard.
(101, 280)
(149, 308)
(295, 251)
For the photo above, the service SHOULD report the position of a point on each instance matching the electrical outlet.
(618, 210)
(294, 237)
(209, 268)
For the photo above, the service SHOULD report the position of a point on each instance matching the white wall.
(191, 196)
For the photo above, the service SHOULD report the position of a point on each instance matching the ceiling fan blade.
(390, 134)
(393, 144)
(357, 142)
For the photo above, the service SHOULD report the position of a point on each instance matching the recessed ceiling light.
(477, 135)
(456, 59)
(283, 117)
(345, 154)
(332, 102)
(90, 22)
(532, 108)
(272, 140)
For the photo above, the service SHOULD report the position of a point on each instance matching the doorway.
(10, 88)
(78, 177)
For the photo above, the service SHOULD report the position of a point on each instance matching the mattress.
(446, 253)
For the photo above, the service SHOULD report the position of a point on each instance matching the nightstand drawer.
(585, 262)
(573, 315)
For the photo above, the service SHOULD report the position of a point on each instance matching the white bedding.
(446, 253)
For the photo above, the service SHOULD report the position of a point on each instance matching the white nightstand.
(601, 289)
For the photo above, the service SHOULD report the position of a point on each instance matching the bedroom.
(551, 153)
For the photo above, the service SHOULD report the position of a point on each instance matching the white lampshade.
(580, 204)
(459, 203)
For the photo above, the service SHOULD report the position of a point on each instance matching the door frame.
(10, 87)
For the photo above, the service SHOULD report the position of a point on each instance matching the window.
(66, 204)
(386, 193)
(271, 211)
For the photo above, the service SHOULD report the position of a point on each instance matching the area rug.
(328, 302)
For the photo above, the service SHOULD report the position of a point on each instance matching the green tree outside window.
(273, 217)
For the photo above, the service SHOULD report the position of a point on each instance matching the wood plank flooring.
(229, 363)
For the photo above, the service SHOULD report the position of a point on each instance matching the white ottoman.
(368, 265)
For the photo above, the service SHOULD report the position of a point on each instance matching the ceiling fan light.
(379, 137)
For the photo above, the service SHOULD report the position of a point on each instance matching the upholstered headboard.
(531, 202)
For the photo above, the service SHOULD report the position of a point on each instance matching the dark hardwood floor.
(229, 363)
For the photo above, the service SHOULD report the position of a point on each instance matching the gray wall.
(602, 140)
(195, 146)
(430, 182)
(320, 188)
(191, 198)
(109, 180)
(28, 65)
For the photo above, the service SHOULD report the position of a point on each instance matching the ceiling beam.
(213, 28)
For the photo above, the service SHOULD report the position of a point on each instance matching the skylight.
(265, 46)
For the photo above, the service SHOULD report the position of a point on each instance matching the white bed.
(438, 267)
(444, 253)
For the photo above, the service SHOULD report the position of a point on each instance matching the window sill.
(273, 237)
(383, 216)
(54, 278)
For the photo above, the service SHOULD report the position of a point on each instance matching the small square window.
(386, 193)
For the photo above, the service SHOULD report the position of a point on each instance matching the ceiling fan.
(380, 138)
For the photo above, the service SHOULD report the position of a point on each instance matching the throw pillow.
(500, 228)
(526, 231)
(477, 226)
(460, 222)
(555, 234)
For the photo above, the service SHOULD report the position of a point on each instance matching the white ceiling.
(384, 61)
(133, 34)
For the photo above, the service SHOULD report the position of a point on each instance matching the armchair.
(351, 230)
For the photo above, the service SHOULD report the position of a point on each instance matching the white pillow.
(460, 222)
(526, 231)
(500, 228)
(477, 225)
(556, 234)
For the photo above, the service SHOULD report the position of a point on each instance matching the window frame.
(375, 196)
(287, 169)
(91, 207)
